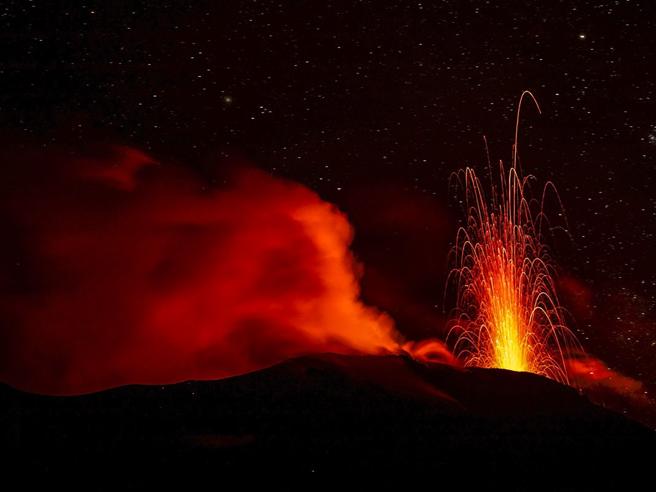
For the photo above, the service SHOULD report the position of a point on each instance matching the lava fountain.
(507, 311)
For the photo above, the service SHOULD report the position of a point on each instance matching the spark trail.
(507, 310)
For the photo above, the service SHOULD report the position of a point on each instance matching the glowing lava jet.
(507, 311)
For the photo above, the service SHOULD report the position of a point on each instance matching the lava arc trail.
(507, 310)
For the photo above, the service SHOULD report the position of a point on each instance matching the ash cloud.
(118, 269)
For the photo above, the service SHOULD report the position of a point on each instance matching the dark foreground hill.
(308, 418)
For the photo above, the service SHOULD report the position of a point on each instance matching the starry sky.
(373, 104)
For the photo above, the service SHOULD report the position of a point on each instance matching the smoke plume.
(117, 269)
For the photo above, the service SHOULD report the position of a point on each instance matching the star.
(651, 138)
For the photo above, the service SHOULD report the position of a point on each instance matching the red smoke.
(603, 385)
(431, 350)
(120, 270)
(612, 389)
(590, 372)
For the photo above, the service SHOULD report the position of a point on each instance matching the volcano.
(374, 416)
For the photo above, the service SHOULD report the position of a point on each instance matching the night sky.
(373, 104)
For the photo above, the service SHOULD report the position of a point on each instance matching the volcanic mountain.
(325, 415)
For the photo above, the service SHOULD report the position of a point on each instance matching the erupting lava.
(507, 311)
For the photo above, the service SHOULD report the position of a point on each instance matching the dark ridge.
(326, 415)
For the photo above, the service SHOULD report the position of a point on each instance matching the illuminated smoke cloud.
(117, 269)
(590, 372)
(612, 389)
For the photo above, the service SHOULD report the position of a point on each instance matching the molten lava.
(507, 311)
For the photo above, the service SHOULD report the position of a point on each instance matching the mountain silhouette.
(379, 417)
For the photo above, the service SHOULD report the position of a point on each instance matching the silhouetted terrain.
(328, 415)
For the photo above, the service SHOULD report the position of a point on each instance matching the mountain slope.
(326, 415)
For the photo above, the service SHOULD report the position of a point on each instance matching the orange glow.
(147, 275)
(507, 311)
(429, 351)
